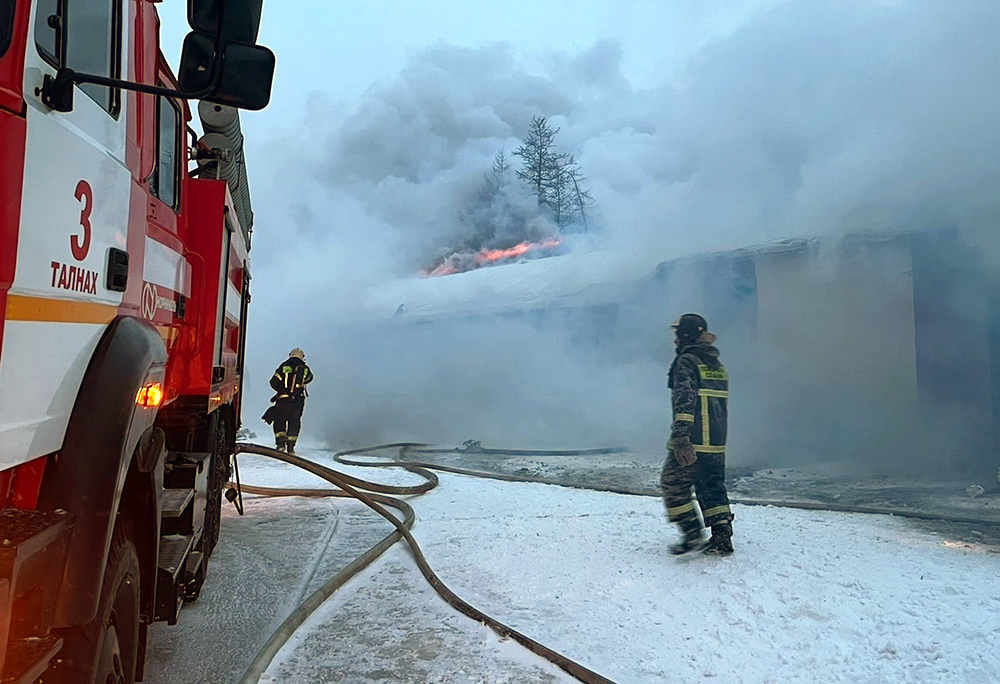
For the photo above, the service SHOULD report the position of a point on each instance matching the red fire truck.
(123, 295)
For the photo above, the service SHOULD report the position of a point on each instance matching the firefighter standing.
(696, 454)
(289, 384)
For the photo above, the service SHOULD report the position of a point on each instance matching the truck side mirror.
(220, 61)
(221, 54)
(247, 71)
(242, 18)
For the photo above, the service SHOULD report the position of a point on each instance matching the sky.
(809, 596)
(699, 127)
(343, 50)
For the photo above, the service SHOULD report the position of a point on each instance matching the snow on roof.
(575, 279)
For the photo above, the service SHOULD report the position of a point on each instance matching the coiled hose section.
(353, 487)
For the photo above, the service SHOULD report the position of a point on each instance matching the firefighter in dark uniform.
(289, 384)
(696, 454)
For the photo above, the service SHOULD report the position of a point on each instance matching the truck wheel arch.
(87, 477)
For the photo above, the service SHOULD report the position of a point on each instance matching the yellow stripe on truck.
(44, 310)
(168, 334)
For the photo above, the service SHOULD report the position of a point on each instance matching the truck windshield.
(6, 24)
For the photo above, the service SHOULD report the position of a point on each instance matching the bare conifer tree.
(581, 203)
(501, 167)
(539, 161)
(554, 177)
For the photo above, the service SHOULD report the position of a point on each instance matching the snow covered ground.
(808, 597)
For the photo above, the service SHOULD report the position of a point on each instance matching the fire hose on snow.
(353, 487)
(376, 496)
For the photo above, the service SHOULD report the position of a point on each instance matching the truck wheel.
(118, 635)
(109, 644)
(217, 479)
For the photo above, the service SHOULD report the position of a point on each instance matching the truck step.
(175, 551)
(25, 533)
(32, 548)
(175, 501)
(185, 468)
(181, 458)
(27, 659)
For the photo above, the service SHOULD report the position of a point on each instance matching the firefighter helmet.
(297, 353)
(689, 327)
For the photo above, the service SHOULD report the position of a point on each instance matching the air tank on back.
(222, 131)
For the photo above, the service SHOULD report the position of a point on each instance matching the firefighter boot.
(721, 543)
(290, 444)
(280, 441)
(693, 537)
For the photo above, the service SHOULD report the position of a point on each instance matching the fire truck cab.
(124, 284)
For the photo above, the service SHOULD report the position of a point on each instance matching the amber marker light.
(150, 396)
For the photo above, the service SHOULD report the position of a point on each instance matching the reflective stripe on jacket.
(700, 398)
(290, 379)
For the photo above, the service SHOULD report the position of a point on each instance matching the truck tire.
(217, 479)
(218, 476)
(105, 650)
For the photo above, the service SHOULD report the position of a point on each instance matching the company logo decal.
(149, 300)
(153, 302)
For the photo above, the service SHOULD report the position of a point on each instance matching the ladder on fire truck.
(181, 570)
(33, 548)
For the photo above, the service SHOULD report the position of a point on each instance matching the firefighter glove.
(684, 451)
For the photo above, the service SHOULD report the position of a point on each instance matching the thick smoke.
(811, 119)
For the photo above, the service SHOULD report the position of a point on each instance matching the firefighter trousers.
(287, 420)
(707, 476)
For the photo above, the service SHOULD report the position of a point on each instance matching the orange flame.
(488, 256)
(515, 251)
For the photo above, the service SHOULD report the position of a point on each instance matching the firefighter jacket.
(290, 379)
(700, 396)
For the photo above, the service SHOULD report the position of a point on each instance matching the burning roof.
(460, 262)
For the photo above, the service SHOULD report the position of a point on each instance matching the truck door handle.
(117, 270)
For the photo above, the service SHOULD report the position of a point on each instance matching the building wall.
(954, 367)
(836, 355)
(876, 353)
